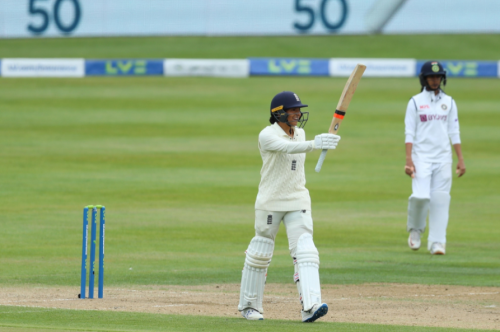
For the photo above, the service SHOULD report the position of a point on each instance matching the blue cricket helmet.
(281, 103)
(431, 68)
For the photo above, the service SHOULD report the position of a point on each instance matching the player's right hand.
(410, 169)
(460, 168)
(326, 141)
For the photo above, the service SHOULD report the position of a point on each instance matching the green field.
(461, 47)
(175, 162)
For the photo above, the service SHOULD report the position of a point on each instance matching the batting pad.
(253, 279)
(438, 217)
(418, 208)
(308, 269)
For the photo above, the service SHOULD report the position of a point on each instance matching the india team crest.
(444, 107)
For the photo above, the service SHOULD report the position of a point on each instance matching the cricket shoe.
(317, 311)
(414, 239)
(437, 249)
(252, 314)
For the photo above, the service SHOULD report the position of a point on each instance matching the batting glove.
(326, 141)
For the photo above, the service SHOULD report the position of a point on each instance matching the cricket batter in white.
(283, 197)
(431, 122)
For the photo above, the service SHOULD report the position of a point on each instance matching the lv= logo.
(132, 67)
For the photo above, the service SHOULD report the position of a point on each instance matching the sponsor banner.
(467, 68)
(66, 18)
(374, 67)
(206, 67)
(42, 67)
(288, 67)
(136, 67)
(339, 67)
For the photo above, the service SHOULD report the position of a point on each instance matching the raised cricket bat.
(345, 99)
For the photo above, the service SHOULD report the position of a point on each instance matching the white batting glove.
(326, 141)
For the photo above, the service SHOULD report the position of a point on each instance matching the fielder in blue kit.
(431, 122)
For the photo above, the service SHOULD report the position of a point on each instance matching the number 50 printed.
(309, 10)
(44, 12)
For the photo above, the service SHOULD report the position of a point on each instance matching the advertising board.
(134, 67)
(42, 68)
(467, 68)
(374, 67)
(207, 67)
(288, 67)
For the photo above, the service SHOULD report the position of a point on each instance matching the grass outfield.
(176, 163)
(15, 319)
(460, 47)
(179, 175)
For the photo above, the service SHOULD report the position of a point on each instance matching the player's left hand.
(460, 168)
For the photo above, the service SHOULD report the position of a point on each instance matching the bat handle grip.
(321, 160)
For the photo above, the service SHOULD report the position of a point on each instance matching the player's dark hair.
(423, 87)
(272, 119)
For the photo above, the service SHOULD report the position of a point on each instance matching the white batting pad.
(253, 279)
(308, 272)
(418, 208)
(438, 217)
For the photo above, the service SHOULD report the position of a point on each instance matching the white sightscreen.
(60, 18)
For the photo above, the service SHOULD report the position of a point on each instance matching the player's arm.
(409, 166)
(273, 143)
(410, 130)
(461, 164)
(454, 134)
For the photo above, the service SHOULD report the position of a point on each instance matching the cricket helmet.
(284, 101)
(431, 68)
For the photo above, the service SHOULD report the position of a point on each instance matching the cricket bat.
(345, 99)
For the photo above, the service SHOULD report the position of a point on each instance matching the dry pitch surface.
(393, 304)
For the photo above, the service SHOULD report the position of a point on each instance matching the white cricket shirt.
(430, 122)
(283, 182)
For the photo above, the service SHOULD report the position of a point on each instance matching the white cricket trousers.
(431, 195)
(267, 224)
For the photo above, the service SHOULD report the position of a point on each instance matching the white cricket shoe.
(437, 249)
(317, 311)
(252, 314)
(414, 239)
